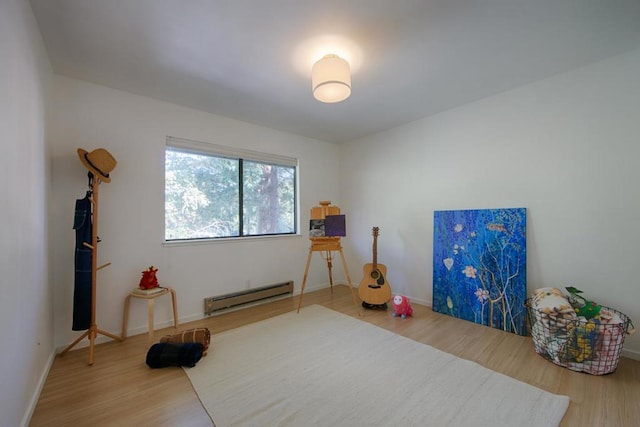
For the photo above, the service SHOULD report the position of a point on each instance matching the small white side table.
(150, 309)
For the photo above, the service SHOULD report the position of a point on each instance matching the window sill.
(223, 240)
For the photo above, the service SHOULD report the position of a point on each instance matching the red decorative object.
(402, 306)
(149, 279)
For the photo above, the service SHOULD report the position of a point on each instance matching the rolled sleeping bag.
(161, 355)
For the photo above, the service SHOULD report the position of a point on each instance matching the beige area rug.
(323, 368)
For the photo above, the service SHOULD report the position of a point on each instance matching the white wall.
(131, 211)
(25, 306)
(566, 148)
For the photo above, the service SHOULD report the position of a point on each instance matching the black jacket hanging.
(82, 223)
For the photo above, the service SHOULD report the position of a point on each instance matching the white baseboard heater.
(213, 304)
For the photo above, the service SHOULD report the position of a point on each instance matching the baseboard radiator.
(222, 302)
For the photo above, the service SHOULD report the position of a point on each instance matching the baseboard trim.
(199, 316)
(26, 419)
(631, 354)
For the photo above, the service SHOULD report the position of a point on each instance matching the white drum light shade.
(331, 79)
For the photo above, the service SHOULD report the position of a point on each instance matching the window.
(215, 192)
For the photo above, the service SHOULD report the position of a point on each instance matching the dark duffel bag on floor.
(165, 354)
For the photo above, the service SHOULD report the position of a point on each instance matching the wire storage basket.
(585, 345)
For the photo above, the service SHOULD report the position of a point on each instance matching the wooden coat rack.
(93, 331)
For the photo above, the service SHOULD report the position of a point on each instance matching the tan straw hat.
(99, 162)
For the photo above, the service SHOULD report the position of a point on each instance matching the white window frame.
(205, 148)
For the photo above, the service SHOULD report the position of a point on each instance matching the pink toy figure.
(402, 306)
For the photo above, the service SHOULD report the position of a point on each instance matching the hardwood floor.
(120, 390)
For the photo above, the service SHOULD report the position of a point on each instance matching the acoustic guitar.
(374, 289)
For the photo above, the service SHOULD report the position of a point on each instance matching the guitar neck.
(375, 252)
(374, 264)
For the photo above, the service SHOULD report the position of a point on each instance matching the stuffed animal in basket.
(553, 308)
(582, 306)
(553, 321)
(401, 306)
(149, 279)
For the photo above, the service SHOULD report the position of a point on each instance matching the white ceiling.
(251, 59)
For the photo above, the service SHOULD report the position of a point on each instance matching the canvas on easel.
(329, 226)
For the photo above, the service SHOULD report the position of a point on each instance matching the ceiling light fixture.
(331, 79)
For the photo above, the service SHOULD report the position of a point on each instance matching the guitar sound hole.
(375, 274)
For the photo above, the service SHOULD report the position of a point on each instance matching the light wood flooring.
(120, 390)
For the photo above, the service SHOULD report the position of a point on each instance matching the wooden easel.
(93, 331)
(326, 245)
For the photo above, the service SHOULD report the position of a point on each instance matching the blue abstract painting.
(480, 266)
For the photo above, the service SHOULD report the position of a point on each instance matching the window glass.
(215, 196)
(268, 199)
